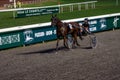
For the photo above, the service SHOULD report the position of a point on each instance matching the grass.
(102, 7)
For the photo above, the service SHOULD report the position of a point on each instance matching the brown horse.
(62, 30)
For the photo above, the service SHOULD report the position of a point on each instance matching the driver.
(86, 26)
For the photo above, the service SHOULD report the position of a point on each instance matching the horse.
(63, 30)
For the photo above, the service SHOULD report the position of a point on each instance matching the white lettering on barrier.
(93, 29)
(28, 35)
(48, 33)
(115, 22)
(20, 12)
(26, 11)
(93, 22)
(9, 39)
(0, 41)
(34, 10)
(103, 24)
(54, 32)
(39, 34)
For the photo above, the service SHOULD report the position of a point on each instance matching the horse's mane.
(58, 19)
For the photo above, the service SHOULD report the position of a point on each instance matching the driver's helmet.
(86, 19)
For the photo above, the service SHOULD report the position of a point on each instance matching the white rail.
(71, 6)
(49, 23)
(79, 3)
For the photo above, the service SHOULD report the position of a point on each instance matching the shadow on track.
(86, 47)
(45, 51)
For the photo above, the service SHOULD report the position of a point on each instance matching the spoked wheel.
(93, 40)
(70, 41)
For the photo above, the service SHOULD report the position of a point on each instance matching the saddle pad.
(70, 26)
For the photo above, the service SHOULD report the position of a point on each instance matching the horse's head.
(54, 20)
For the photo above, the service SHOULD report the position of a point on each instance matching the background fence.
(23, 12)
(10, 3)
(24, 35)
(78, 6)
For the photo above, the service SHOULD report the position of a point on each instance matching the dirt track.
(41, 62)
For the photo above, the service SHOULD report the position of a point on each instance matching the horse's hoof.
(74, 47)
(78, 44)
(68, 48)
(56, 49)
(56, 52)
(81, 38)
(71, 49)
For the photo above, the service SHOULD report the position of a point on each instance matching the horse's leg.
(57, 44)
(80, 35)
(75, 38)
(65, 40)
(73, 45)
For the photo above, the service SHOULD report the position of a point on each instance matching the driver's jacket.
(85, 24)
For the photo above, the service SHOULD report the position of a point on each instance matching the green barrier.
(113, 22)
(35, 12)
(45, 33)
(103, 24)
(11, 39)
(99, 25)
(116, 22)
(39, 35)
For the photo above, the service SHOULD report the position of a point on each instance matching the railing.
(61, 6)
(71, 6)
(17, 28)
